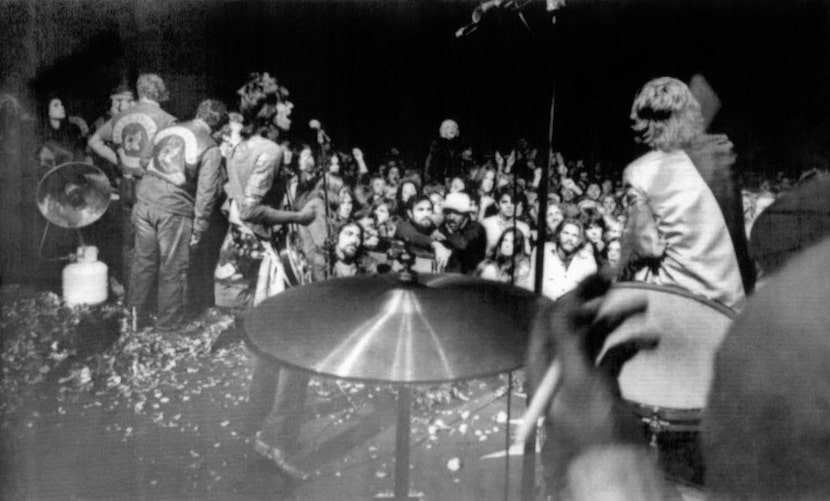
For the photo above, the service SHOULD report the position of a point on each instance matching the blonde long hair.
(665, 115)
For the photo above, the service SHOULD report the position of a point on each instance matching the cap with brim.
(458, 202)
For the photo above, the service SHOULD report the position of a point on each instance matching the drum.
(669, 385)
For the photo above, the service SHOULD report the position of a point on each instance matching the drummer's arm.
(587, 434)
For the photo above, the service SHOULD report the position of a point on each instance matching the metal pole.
(402, 430)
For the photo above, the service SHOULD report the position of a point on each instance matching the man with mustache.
(466, 238)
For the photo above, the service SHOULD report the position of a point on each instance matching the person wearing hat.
(466, 238)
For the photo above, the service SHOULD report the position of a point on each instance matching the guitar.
(294, 262)
(289, 246)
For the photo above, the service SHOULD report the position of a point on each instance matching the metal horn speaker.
(73, 195)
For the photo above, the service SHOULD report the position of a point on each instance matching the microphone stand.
(529, 457)
(325, 146)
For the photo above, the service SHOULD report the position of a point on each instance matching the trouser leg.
(289, 409)
(261, 395)
(174, 248)
(144, 267)
(127, 202)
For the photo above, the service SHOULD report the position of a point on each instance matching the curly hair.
(258, 100)
(213, 112)
(665, 114)
(151, 86)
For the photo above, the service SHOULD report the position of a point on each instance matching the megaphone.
(73, 195)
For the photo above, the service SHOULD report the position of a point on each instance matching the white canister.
(85, 281)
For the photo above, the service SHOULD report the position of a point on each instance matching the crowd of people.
(467, 211)
(295, 212)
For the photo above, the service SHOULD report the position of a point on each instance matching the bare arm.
(96, 144)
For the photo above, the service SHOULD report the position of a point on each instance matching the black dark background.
(385, 73)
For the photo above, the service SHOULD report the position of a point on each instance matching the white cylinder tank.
(85, 281)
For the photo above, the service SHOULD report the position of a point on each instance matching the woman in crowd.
(611, 253)
(64, 137)
(508, 261)
(486, 185)
(594, 229)
(457, 184)
(382, 214)
(406, 190)
(344, 207)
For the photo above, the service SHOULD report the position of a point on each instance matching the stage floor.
(183, 442)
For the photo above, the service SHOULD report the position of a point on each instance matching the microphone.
(322, 137)
(478, 12)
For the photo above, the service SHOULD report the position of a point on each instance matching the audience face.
(348, 242)
(393, 175)
(408, 190)
(488, 182)
(553, 217)
(506, 207)
(344, 210)
(334, 164)
(456, 185)
(568, 195)
(287, 154)
(570, 238)
(371, 238)
(607, 187)
(507, 244)
(448, 129)
(594, 233)
(613, 253)
(382, 213)
(306, 161)
(454, 220)
(56, 110)
(420, 214)
(593, 191)
(609, 203)
(378, 187)
(613, 231)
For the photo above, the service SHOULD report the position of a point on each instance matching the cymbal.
(435, 328)
(73, 195)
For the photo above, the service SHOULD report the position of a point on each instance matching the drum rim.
(678, 291)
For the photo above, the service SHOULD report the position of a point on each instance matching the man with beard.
(418, 229)
(347, 255)
(567, 261)
(466, 238)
